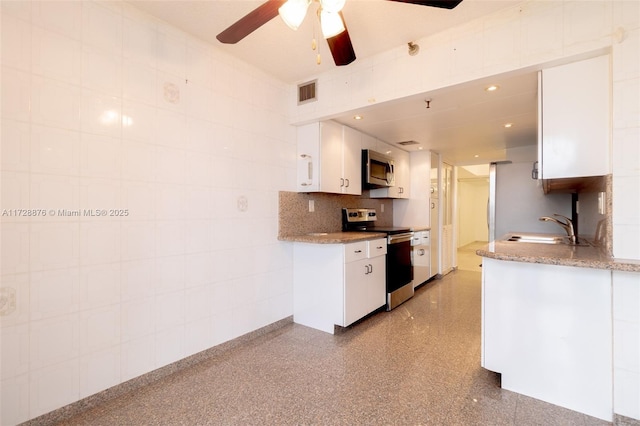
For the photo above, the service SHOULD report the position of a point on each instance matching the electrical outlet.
(312, 206)
(381, 208)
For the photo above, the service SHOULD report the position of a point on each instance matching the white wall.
(106, 108)
(472, 211)
(532, 34)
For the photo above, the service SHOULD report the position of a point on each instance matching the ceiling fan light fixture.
(331, 24)
(333, 6)
(293, 12)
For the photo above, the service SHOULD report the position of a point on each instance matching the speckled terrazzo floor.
(416, 365)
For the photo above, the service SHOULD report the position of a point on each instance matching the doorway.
(473, 230)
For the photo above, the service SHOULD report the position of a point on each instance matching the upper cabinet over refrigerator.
(574, 120)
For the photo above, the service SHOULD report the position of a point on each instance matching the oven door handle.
(399, 238)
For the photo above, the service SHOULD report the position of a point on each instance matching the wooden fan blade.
(250, 22)
(445, 4)
(341, 47)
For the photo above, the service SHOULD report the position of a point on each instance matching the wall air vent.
(407, 143)
(307, 92)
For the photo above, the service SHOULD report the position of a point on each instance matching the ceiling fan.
(332, 22)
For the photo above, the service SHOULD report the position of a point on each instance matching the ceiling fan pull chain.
(315, 45)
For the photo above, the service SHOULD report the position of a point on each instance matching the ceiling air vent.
(307, 92)
(407, 143)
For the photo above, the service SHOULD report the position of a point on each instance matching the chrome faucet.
(568, 225)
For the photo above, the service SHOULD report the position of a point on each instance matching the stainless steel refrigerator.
(516, 201)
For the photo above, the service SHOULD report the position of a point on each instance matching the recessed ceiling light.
(476, 156)
(357, 117)
(508, 125)
(420, 147)
(492, 88)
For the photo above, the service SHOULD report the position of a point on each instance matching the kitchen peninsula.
(547, 321)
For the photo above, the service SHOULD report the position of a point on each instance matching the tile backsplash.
(294, 217)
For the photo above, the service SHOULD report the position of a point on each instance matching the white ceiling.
(462, 122)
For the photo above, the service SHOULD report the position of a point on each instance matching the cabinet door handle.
(347, 181)
(309, 169)
(433, 205)
(357, 251)
(370, 268)
(341, 182)
(380, 247)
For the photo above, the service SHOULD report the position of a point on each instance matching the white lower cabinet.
(338, 284)
(548, 330)
(421, 258)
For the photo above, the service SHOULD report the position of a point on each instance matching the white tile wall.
(55, 103)
(16, 94)
(14, 393)
(56, 56)
(53, 386)
(100, 285)
(99, 370)
(14, 351)
(55, 150)
(15, 146)
(137, 356)
(64, 17)
(104, 107)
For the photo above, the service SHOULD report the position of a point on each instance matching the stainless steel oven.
(399, 269)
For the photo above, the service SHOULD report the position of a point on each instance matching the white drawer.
(376, 247)
(355, 251)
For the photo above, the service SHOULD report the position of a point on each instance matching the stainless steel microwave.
(377, 169)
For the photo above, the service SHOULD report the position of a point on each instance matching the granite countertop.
(556, 254)
(333, 237)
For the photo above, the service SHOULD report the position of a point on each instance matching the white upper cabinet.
(351, 161)
(575, 120)
(329, 159)
(401, 173)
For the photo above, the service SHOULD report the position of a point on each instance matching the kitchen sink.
(544, 239)
(538, 239)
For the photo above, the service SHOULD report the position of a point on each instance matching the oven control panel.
(359, 215)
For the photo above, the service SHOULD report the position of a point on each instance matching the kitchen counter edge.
(333, 237)
(562, 255)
